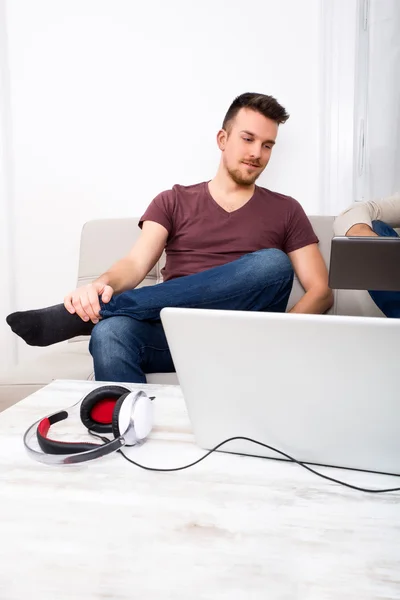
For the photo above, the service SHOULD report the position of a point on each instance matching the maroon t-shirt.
(202, 235)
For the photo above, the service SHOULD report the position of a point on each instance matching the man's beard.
(239, 179)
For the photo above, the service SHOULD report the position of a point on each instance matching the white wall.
(113, 102)
(8, 344)
(383, 106)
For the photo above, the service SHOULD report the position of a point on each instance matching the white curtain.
(383, 111)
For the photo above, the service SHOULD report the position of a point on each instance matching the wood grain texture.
(231, 527)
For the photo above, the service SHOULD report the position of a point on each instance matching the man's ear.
(222, 136)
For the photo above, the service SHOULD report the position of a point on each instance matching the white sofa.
(71, 360)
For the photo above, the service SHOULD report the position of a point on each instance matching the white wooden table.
(229, 528)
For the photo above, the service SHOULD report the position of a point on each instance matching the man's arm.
(357, 219)
(312, 273)
(125, 274)
(128, 272)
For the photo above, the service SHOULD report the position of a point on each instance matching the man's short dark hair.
(266, 105)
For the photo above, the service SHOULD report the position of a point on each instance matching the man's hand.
(84, 301)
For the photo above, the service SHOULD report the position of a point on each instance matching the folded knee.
(110, 334)
(102, 332)
(274, 261)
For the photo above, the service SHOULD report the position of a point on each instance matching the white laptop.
(322, 388)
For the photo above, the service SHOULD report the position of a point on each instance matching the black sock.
(48, 326)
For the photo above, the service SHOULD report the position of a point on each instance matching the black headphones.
(126, 414)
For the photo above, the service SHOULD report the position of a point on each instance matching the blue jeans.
(388, 302)
(129, 341)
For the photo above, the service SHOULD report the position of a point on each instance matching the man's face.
(247, 145)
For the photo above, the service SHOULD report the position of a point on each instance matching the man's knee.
(274, 263)
(109, 337)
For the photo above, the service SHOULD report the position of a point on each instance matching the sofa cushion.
(356, 303)
(63, 361)
(103, 242)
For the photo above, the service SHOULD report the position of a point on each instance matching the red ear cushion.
(102, 411)
(97, 407)
(117, 408)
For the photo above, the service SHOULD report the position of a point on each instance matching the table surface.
(231, 527)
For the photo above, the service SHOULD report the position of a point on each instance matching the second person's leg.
(388, 302)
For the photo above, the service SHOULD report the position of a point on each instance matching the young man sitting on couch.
(229, 244)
